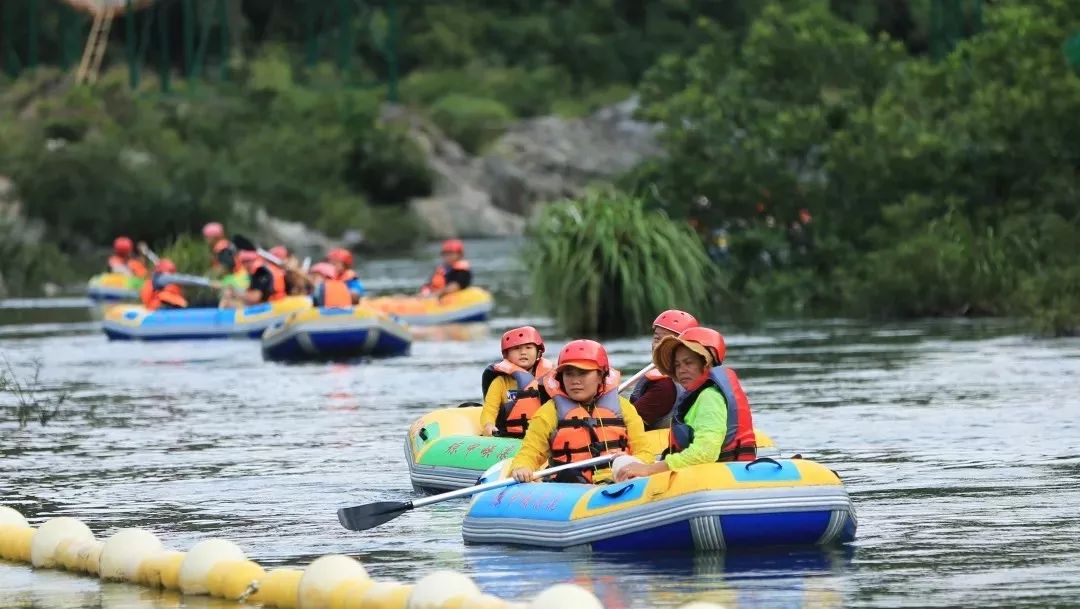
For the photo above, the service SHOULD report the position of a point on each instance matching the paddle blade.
(371, 515)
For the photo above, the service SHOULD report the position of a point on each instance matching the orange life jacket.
(586, 431)
(438, 279)
(740, 442)
(278, 274)
(335, 294)
(346, 275)
(171, 294)
(134, 267)
(518, 406)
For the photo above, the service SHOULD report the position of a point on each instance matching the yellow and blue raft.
(129, 322)
(709, 507)
(468, 305)
(324, 333)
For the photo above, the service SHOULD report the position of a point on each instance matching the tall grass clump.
(603, 265)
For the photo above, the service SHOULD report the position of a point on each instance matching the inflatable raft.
(468, 305)
(710, 507)
(129, 322)
(113, 287)
(320, 334)
(445, 451)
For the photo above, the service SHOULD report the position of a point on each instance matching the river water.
(958, 442)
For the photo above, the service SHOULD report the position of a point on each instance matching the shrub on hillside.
(471, 121)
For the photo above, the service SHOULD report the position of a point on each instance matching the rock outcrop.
(536, 161)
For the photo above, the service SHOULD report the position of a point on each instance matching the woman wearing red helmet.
(712, 420)
(507, 384)
(654, 395)
(155, 295)
(584, 418)
(123, 259)
(453, 274)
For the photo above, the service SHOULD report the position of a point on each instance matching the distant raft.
(445, 451)
(334, 334)
(468, 305)
(113, 287)
(128, 322)
(711, 507)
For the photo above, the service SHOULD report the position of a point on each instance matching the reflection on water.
(957, 440)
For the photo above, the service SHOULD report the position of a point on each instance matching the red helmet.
(453, 246)
(708, 338)
(164, 265)
(340, 254)
(675, 321)
(122, 246)
(280, 251)
(246, 256)
(213, 230)
(585, 354)
(522, 336)
(325, 269)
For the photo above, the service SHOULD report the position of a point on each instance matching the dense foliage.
(936, 188)
(891, 158)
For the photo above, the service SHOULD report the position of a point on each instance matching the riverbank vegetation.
(830, 171)
(881, 159)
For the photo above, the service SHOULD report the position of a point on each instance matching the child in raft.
(712, 420)
(585, 418)
(511, 386)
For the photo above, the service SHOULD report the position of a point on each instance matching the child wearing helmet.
(453, 274)
(342, 261)
(712, 420)
(156, 295)
(584, 418)
(123, 259)
(328, 292)
(654, 395)
(511, 386)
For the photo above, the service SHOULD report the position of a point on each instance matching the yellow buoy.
(435, 588)
(349, 593)
(88, 555)
(233, 579)
(562, 596)
(12, 516)
(201, 559)
(124, 552)
(161, 570)
(323, 576)
(280, 588)
(50, 534)
(71, 554)
(16, 541)
(386, 595)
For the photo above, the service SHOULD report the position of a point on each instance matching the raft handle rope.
(619, 492)
(778, 465)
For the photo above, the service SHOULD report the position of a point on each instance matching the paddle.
(634, 379)
(371, 515)
(244, 243)
(180, 278)
(145, 250)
